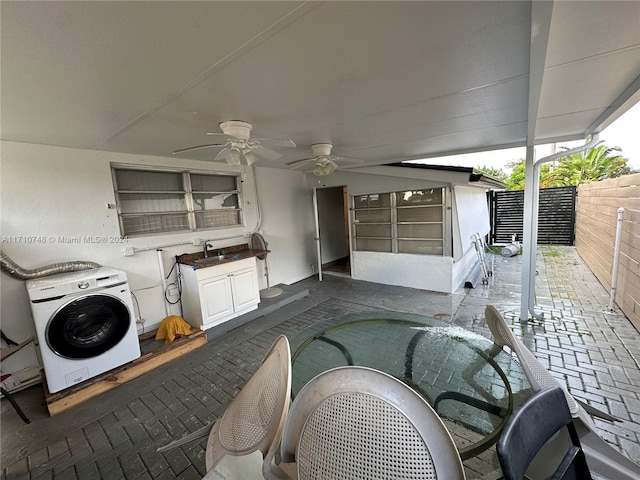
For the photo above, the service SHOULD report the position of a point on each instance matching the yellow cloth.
(171, 327)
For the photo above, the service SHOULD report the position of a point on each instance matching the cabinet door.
(216, 300)
(245, 288)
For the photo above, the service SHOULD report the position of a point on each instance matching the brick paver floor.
(115, 436)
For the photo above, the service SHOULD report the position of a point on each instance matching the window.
(412, 221)
(372, 222)
(163, 201)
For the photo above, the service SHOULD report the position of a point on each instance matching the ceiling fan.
(237, 144)
(324, 162)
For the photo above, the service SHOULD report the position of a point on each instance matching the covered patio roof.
(381, 81)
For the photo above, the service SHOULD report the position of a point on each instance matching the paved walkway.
(115, 436)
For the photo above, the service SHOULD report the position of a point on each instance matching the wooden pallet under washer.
(72, 396)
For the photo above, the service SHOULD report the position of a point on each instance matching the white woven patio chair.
(358, 423)
(243, 441)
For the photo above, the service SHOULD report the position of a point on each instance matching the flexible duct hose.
(16, 271)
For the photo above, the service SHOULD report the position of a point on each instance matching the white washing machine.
(84, 323)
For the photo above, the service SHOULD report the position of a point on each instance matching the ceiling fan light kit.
(323, 162)
(249, 156)
(238, 148)
(324, 167)
(233, 158)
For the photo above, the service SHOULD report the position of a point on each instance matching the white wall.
(52, 196)
(428, 272)
(470, 216)
(464, 268)
(288, 226)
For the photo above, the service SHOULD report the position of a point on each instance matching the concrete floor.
(115, 436)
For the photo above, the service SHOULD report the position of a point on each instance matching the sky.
(623, 133)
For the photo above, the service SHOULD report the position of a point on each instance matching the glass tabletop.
(471, 383)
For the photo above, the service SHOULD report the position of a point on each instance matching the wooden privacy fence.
(596, 218)
(556, 215)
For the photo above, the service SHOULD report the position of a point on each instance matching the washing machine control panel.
(56, 286)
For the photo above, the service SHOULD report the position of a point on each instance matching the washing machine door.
(88, 326)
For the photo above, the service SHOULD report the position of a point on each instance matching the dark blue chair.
(537, 420)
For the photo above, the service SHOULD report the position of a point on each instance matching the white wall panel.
(286, 203)
(427, 272)
(470, 215)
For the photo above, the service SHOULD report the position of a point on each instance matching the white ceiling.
(383, 81)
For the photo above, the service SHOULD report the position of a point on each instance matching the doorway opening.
(333, 223)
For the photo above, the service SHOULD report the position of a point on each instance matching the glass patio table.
(471, 383)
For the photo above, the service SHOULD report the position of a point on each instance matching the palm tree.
(596, 164)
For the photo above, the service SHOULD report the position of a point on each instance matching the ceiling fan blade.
(351, 167)
(218, 134)
(265, 152)
(300, 161)
(197, 147)
(222, 154)
(275, 142)
(349, 159)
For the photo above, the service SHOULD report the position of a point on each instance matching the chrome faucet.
(204, 248)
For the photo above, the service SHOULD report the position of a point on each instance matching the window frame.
(394, 207)
(355, 222)
(187, 190)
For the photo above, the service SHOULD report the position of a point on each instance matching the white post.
(316, 214)
(528, 246)
(616, 258)
(530, 226)
(534, 241)
(163, 282)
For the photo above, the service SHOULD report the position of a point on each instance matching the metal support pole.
(530, 226)
(528, 242)
(616, 259)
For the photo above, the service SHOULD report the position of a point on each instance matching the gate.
(556, 215)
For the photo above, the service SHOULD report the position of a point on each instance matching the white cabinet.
(213, 295)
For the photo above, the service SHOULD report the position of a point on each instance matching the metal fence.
(556, 216)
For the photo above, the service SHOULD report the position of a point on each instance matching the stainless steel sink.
(213, 259)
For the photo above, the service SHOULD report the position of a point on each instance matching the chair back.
(538, 376)
(255, 418)
(360, 423)
(537, 420)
